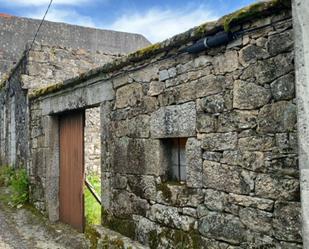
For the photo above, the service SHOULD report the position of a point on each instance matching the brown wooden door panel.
(71, 210)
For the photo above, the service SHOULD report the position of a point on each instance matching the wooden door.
(71, 210)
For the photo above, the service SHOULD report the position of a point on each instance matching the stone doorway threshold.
(113, 240)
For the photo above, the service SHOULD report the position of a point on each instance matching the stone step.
(116, 240)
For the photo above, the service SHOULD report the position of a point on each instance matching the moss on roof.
(256, 10)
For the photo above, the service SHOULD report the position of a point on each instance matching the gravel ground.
(25, 229)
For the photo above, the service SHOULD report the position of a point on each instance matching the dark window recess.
(175, 156)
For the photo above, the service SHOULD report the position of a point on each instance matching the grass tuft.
(18, 182)
(92, 207)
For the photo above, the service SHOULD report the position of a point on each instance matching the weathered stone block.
(209, 85)
(169, 216)
(163, 75)
(206, 123)
(143, 229)
(144, 75)
(155, 88)
(277, 117)
(227, 62)
(256, 220)
(251, 53)
(253, 143)
(137, 156)
(280, 42)
(233, 121)
(284, 87)
(219, 141)
(174, 121)
(249, 95)
(274, 187)
(225, 178)
(215, 200)
(265, 71)
(223, 227)
(212, 156)
(129, 95)
(249, 201)
(149, 104)
(287, 221)
(139, 127)
(252, 160)
(287, 245)
(202, 60)
(185, 92)
(215, 103)
(142, 186)
(284, 165)
(194, 163)
(121, 203)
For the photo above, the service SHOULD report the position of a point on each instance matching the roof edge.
(260, 9)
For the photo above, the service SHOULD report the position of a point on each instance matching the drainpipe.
(300, 12)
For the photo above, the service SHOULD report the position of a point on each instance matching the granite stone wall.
(92, 142)
(42, 66)
(234, 105)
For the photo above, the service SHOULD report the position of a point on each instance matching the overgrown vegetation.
(92, 207)
(18, 183)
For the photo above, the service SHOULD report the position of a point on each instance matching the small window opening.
(175, 155)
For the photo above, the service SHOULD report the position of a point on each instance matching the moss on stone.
(154, 239)
(92, 235)
(252, 11)
(46, 90)
(124, 226)
(112, 243)
(145, 52)
(165, 190)
(176, 238)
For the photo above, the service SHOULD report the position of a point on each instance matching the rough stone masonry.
(225, 118)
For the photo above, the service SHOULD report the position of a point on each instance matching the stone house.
(204, 150)
(61, 52)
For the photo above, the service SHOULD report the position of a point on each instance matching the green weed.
(92, 207)
(6, 174)
(20, 187)
(18, 183)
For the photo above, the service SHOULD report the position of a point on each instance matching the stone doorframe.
(78, 97)
(52, 168)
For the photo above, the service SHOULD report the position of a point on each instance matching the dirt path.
(25, 229)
